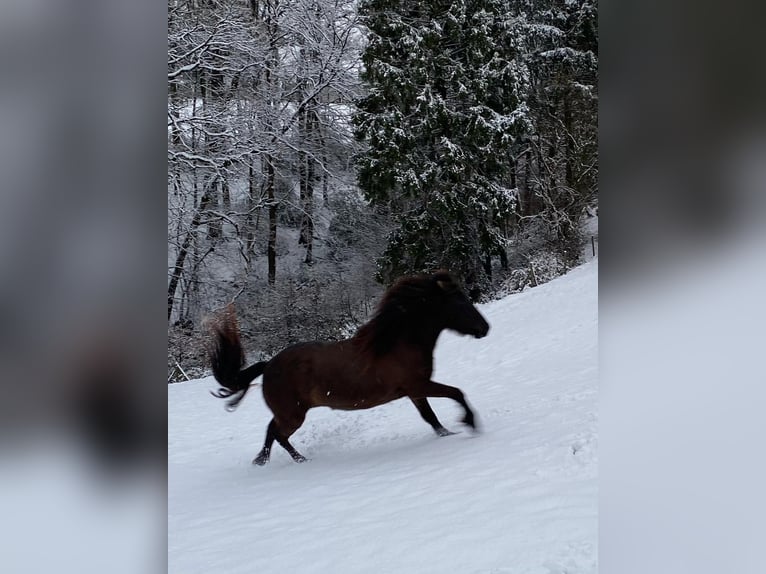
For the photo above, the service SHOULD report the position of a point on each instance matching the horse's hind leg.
(297, 457)
(434, 389)
(429, 416)
(284, 429)
(271, 434)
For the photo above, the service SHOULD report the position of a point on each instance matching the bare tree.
(259, 100)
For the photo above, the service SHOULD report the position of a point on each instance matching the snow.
(381, 493)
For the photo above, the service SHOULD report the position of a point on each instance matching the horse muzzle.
(481, 332)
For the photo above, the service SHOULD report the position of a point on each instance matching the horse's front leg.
(429, 416)
(434, 389)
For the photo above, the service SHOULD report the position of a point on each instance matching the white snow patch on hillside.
(381, 492)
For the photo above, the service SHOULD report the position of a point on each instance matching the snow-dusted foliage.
(480, 120)
(259, 139)
(561, 178)
(446, 105)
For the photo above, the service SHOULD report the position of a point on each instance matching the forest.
(320, 149)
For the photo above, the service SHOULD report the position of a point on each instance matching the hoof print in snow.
(581, 446)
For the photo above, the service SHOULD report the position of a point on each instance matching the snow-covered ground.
(383, 494)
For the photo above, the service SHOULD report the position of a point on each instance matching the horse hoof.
(470, 420)
(444, 432)
(300, 458)
(260, 461)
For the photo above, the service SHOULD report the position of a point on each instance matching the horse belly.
(368, 402)
(359, 397)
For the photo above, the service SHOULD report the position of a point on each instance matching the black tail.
(227, 358)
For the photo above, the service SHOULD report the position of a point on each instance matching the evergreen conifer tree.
(445, 108)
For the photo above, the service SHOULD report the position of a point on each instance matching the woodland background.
(319, 149)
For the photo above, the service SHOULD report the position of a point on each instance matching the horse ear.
(445, 282)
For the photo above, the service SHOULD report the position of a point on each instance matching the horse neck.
(419, 335)
(425, 337)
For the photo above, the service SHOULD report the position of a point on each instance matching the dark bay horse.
(390, 357)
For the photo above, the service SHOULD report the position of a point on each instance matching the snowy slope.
(383, 494)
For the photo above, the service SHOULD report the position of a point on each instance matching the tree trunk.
(214, 226)
(271, 12)
(526, 203)
(302, 172)
(308, 211)
(178, 267)
(308, 175)
(503, 259)
(487, 264)
(175, 135)
(249, 223)
(569, 136)
(323, 152)
(225, 194)
(272, 242)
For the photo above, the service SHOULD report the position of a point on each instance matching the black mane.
(403, 310)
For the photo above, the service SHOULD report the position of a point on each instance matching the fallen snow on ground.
(381, 493)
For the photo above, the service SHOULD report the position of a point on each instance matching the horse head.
(456, 310)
